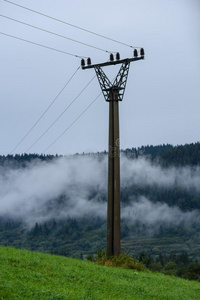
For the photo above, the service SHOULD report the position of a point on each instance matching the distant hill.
(188, 154)
(83, 235)
(181, 155)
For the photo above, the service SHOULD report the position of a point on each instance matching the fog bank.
(77, 186)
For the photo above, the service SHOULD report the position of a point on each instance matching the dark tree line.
(173, 264)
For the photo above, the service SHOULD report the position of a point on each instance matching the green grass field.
(31, 275)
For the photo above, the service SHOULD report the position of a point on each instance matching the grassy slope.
(30, 275)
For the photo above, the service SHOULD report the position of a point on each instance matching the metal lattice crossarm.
(110, 63)
(104, 82)
(121, 79)
(118, 87)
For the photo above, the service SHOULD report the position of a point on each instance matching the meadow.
(31, 275)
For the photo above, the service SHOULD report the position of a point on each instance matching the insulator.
(111, 57)
(142, 52)
(135, 53)
(117, 56)
(82, 62)
(89, 61)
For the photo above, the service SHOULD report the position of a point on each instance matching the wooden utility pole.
(113, 210)
(113, 93)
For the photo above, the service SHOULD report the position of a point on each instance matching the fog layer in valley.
(77, 186)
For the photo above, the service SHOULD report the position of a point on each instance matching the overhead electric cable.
(69, 24)
(37, 44)
(56, 120)
(53, 33)
(71, 124)
(44, 111)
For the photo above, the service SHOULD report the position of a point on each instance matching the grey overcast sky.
(162, 98)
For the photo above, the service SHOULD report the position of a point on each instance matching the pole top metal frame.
(113, 91)
(115, 62)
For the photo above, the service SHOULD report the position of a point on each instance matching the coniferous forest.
(167, 239)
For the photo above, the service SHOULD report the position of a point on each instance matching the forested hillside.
(181, 155)
(66, 210)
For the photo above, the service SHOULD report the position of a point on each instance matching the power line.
(72, 25)
(73, 121)
(71, 124)
(56, 120)
(44, 112)
(37, 44)
(53, 33)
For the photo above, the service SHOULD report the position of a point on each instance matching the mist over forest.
(160, 196)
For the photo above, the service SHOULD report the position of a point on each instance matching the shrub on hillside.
(122, 261)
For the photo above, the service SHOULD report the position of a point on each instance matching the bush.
(122, 261)
(90, 257)
(155, 267)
